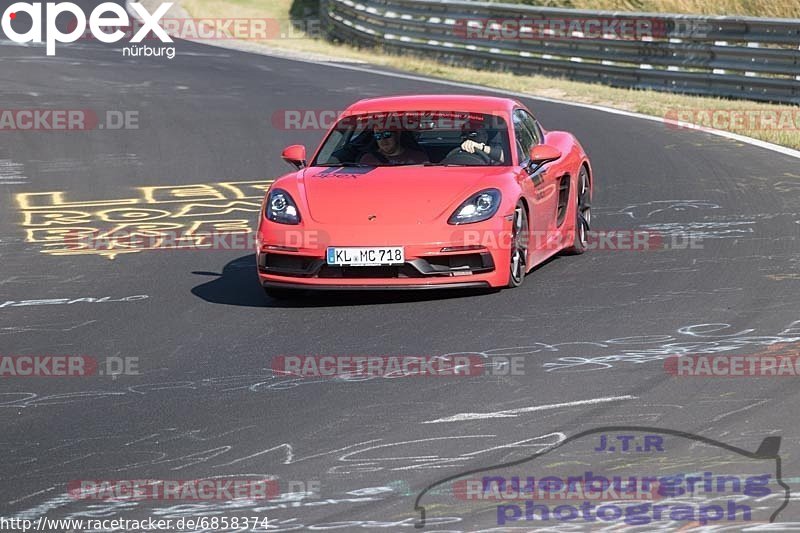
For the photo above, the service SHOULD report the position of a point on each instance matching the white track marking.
(512, 413)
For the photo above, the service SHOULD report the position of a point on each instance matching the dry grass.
(754, 8)
(277, 9)
(659, 104)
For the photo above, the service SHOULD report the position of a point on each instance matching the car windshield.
(431, 138)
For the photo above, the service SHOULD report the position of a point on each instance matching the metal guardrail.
(737, 57)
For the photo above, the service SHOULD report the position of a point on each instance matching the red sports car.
(418, 192)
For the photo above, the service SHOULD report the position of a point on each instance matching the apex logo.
(106, 15)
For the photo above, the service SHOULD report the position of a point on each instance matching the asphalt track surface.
(593, 329)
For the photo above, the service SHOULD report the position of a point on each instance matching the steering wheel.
(457, 156)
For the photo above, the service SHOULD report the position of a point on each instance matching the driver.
(477, 141)
(391, 151)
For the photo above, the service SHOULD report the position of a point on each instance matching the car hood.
(393, 195)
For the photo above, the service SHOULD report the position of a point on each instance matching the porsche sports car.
(419, 192)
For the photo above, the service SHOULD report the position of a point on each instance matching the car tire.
(518, 258)
(583, 214)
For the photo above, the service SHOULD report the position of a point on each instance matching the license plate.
(373, 256)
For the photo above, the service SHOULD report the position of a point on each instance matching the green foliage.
(304, 9)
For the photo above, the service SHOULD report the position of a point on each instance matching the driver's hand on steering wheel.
(471, 147)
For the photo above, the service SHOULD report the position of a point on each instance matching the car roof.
(435, 102)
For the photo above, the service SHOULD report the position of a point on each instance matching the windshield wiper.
(359, 165)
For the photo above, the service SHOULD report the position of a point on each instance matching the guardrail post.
(749, 73)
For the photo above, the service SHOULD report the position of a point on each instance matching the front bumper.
(474, 267)
(437, 257)
(374, 287)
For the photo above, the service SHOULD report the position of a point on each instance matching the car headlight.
(281, 208)
(478, 207)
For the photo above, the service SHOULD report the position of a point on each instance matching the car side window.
(338, 139)
(525, 139)
(532, 125)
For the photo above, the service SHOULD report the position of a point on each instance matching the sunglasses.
(383, 135)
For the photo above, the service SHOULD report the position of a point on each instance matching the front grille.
(459, 262)
(289, 265)
(372, 272)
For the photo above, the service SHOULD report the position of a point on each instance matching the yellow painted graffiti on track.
(193, 213)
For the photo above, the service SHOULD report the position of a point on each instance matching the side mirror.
(541, 154)
(295, 155)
